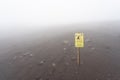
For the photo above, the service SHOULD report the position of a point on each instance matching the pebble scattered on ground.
(65, 42)
(92, 48)
(53, 64)
(41, 62)
(64, 49)
(31, 55)
(87, 40)
(27, 53)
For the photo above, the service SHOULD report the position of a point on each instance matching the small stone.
(92, 48)
(64, 49)
(87, 40)
(53, 64)
(26, 53)
(65, 42)
(31, 55)
(41, 62)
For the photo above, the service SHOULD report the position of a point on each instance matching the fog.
(23, 16)
(37, 39)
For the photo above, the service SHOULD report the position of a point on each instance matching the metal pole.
(78, 56)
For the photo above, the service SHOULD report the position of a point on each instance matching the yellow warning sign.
(79, 40)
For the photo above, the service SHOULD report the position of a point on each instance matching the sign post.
(79, 43)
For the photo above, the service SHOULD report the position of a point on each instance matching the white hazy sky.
(50, 12)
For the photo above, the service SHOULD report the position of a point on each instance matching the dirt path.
(55, 58)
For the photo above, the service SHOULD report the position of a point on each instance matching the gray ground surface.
(54, 57)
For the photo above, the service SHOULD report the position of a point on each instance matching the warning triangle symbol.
(78, 37)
